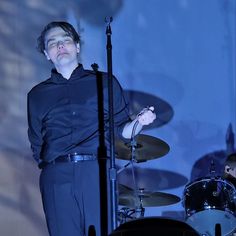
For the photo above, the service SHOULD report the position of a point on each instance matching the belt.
(74, 157)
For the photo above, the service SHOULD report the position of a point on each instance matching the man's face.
(60, 48)
(231, 169)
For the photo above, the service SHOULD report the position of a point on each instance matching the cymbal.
(151, 179)
(147, 148)
(147, 199)
(137, 100)
(123, 189)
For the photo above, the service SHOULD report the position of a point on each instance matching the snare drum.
(210, 201)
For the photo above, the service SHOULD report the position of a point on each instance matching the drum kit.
(209, 203)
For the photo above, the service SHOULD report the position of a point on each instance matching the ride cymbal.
(147, 148)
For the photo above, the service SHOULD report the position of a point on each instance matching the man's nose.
(60, 44)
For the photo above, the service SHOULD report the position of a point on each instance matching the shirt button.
(73, 113)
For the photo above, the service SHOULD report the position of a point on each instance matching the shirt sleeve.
(34, 128)
(121, 111)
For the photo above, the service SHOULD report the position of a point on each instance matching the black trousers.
(71, 198)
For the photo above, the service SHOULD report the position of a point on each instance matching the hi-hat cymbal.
(147, 199)
(147, 148)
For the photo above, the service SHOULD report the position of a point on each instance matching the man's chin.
(63, 60)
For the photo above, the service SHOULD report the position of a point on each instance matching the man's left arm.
(122, 120)
(145, 117)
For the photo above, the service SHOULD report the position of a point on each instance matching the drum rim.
(193, 212)
(209, 179)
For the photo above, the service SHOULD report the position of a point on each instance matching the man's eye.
(67, 40)
(52, 45)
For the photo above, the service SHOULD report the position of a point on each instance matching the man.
(64, 133)
(230, 169)
(230, 176)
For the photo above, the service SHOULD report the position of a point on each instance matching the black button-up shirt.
(63, 114)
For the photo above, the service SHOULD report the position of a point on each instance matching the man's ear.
(46, 54)
(227, 169)
(78, 47)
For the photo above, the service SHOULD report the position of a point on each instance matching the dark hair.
(231, 159)
(68, 28)
(231, 162)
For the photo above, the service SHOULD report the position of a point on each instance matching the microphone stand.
(102, 158)
(112, 171)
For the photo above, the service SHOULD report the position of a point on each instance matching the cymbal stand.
(140, 209)
(138, 198)
(139, 212)
(133, 145)
(124, 167)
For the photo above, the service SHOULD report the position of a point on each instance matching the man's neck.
(67, 70)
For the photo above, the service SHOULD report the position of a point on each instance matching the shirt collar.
(78, 73)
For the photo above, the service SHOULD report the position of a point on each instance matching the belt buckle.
(77, 158)
(72, 157)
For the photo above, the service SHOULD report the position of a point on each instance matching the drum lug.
(205, 204)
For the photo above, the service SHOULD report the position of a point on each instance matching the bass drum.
(209, 202)
(153, 226)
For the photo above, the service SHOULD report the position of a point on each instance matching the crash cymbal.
(137, 100)
(147, 148)
(147, 199)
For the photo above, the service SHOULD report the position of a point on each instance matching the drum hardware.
(140, 149)
(139, 211)
(215, 193)
(125, 214)
(206, 205)
(136, 201)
